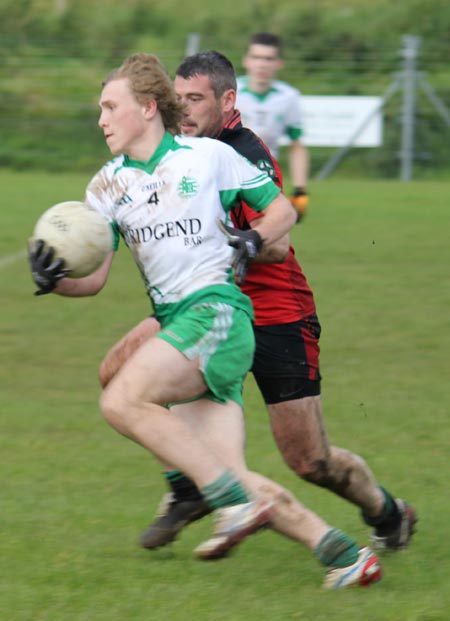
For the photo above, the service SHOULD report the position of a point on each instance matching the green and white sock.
(336, 549)
(224, 491)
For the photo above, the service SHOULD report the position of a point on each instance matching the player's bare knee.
(314, 471)
(103, 377)
(324, 474)
(110, 365)
(114, 407)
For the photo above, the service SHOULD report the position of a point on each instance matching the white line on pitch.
(11, 258)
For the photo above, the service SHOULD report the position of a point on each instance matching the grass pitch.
(75, 495)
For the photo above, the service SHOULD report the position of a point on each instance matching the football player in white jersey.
(180, 394)
(271, 108)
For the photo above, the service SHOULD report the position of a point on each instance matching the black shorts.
(286, 361)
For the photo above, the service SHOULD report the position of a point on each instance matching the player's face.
(204, 115)
(262, 62)
(122, 118)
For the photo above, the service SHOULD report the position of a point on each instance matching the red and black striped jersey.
(279, 291)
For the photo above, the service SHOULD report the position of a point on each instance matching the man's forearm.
(279, 218)
(276, 252)
(87, 286)
(299, 165)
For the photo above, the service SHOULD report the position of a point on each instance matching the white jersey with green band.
(271, 115)
(166, 210)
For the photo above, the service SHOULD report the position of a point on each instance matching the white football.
(79, 235)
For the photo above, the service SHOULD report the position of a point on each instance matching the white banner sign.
(331, 121)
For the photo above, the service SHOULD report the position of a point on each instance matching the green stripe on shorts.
(221, 337)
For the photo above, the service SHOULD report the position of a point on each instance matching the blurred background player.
(198, 360)
(271, 108)
(287, 331)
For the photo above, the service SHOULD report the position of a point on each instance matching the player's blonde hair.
(148, 79)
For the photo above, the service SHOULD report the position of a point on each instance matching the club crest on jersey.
(187, 187)
(267, 167)
(124, 200)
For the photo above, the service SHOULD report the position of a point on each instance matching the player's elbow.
(279, 251)
(293, 215)
(282, 256)
(276, 252)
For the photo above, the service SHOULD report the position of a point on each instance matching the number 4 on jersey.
(153, 200)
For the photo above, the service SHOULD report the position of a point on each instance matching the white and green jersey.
(273, 115)
(166, 210)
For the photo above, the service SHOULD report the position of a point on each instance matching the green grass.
(75, 495)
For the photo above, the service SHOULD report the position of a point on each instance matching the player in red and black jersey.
(286, 326)
(294, 298)
(287, 331)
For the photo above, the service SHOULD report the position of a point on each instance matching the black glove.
(300, 201)
(45, 269)
(247, 244)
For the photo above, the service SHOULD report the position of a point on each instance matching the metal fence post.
(409, 53)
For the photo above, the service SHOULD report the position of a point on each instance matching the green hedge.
(56, 53)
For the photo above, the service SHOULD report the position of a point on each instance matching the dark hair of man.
(215, 65)
(266, 38)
